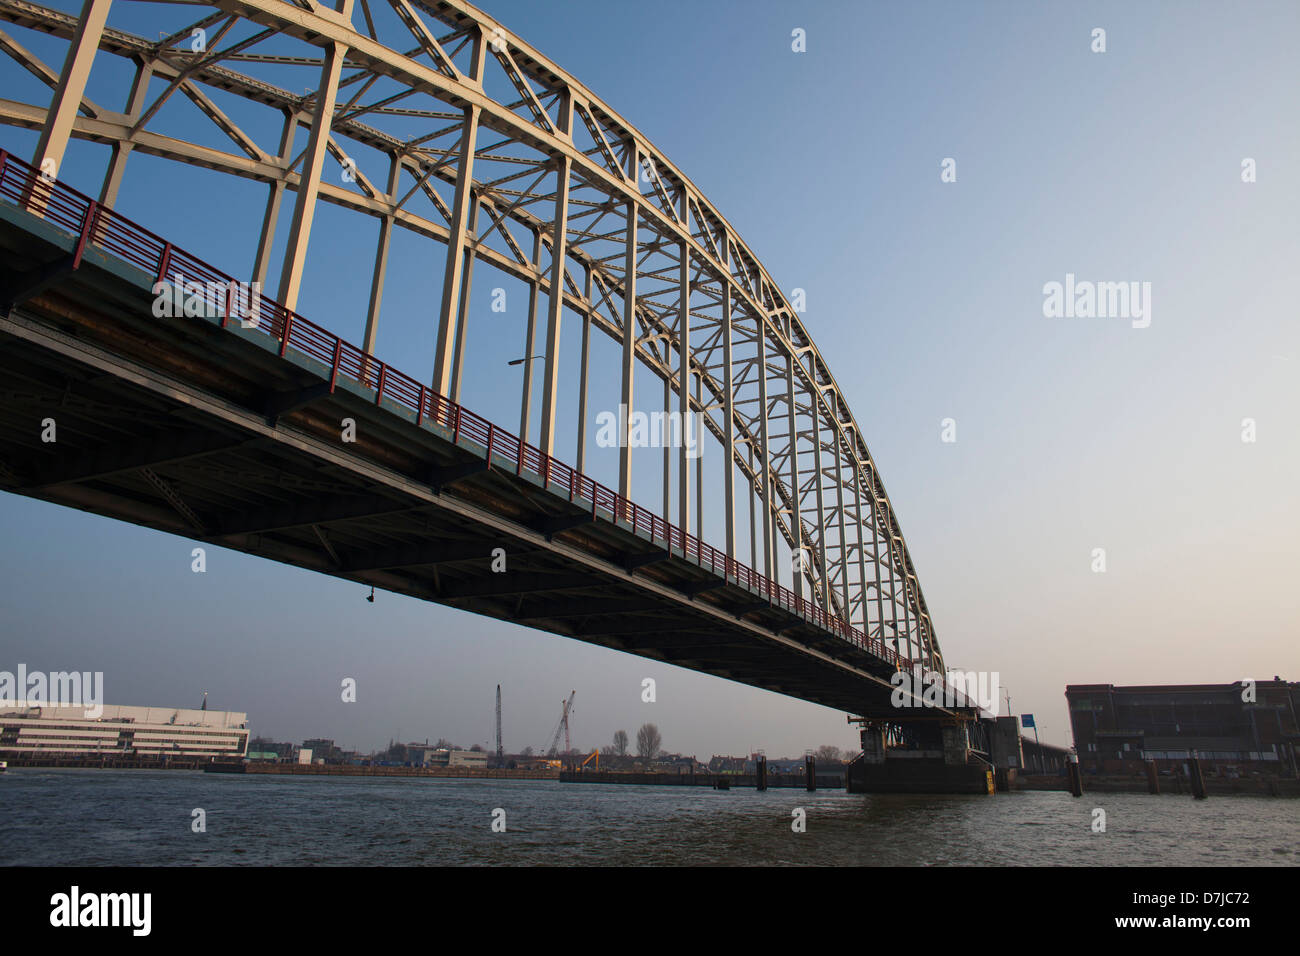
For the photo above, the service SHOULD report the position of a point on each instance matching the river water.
(128, 817)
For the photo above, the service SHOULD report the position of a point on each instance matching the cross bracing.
(504, 159)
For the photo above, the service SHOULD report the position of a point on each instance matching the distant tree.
(527, 752)
(620, 743)
(648, 741)
(829, 754)
(476, 749)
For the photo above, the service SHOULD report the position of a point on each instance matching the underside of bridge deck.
(207, 432)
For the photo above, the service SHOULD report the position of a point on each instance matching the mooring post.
(1198, 778)
(760, 770)
(1074, 775)
(810, 773)
(1153, 777)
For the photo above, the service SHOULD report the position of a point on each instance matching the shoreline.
(1169, 786)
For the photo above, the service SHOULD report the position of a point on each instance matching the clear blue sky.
(926, 297)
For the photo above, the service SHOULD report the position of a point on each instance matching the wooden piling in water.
(1153, 777)
(1197, 776)
(1074, 775)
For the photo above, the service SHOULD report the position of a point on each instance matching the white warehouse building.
(40, 729)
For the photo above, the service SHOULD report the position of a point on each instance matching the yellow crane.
(594, 754)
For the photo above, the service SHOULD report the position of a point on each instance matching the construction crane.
(501, 761)
(596, 755)
(563, 725)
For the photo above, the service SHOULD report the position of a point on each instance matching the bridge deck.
(232, 436)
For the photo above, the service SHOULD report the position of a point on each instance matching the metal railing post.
(334, 367)
(284, 336)
(87, 226)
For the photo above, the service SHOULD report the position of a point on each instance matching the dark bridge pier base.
(920, 757)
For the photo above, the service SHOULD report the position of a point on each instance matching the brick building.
(1233, 727)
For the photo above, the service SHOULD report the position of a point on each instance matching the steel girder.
(502, 157)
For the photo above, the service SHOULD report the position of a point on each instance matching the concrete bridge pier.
(873, 743)
(1005, 751)
(956, 748)
(924, 756)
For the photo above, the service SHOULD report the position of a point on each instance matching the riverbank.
(200, 764)
(774, 780)
(1221, 786)
(353, 770)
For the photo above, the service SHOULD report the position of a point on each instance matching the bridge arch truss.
(502, 158)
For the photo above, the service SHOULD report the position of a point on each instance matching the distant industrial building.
(38, 730)
(449, 758)
(321, 750)
(719, 763)
(260, 748)
(1234, 727)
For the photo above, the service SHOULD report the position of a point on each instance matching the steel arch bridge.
(504, 159)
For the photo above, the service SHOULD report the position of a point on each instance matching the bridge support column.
(955, 745)
(799, 566)
(275, 197)
(1004, 744)
(873, 743)
(304, 207)
(877, 533)
(456, 243)
(381, 257)
(555, 303)
(585, 362)
(121, 151)
(684, 378)
(63, 109)
(668, 451)
(629, 343)
(764, 453)
(530, 342)
(462, 319)
(728, 411)
(824, 589)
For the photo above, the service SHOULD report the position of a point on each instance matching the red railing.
(220, 295)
